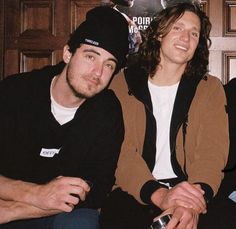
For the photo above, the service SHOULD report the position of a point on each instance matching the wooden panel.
(230, 18)
(229, 66)
(78, 11)
(37, 16)
(35, 31)
(30, 60)
(223, 35)
(11, 63)
(205, 6)
(216, 16)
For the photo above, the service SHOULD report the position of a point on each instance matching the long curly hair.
(148, 55)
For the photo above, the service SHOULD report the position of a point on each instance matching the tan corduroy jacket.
(206, 140)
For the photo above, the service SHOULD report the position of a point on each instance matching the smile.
(181, 47)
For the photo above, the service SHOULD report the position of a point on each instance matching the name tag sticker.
(48, 152)
(232, 196)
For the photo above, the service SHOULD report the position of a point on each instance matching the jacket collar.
(137, 81)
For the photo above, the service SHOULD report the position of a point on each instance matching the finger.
(76, 181)
(199, 193)
(199, 187)
(72, 199)
(192, 201)
(186, 192)
(79, 192)
(188, 203)
(172, 223)
(166, 212)
(65, 207)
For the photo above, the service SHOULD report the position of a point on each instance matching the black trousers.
(122, 211)
(221, 213)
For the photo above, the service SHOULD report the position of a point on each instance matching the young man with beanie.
(62, 129)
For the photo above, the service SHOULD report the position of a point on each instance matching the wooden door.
(35, 31)
(222, 14)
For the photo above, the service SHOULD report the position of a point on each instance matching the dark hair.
(149, 51)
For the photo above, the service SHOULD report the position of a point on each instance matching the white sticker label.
(48, 152)
(232, 196)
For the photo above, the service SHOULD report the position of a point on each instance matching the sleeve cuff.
(148, 188)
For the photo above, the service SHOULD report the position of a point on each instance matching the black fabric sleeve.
(108, 135)
(148, 188)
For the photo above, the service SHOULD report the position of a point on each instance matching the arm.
(131, 165)
(55, 195)
(208, 132)
(106, 124)
(12, 210)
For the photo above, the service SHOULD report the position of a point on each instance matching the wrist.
(148, 189)
(158, 196)
(29, 193)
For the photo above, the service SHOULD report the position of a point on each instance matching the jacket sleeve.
(105, 145)
(132, 173)
(207, 140)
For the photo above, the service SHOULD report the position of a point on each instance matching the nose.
(98, 69)
(185, 35)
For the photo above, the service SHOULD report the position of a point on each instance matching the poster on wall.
(139, 14)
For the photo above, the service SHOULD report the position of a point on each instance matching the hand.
(182, 218)
(62, 194)
(183, 194)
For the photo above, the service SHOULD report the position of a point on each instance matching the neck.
(62, 93)
(168, 75)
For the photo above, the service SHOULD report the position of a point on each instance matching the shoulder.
(210, 84)
(210, 89)
(28, 82)
(211, 81)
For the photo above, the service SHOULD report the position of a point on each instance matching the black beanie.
(106, 28)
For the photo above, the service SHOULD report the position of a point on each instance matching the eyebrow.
(99, 54)
(181, 23)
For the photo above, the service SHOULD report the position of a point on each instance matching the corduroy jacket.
(199, 139)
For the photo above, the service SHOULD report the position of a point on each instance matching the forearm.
(131, 165)
(12, 210)
(16, 190)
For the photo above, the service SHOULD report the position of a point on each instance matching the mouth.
(181, 47)
(93, 81)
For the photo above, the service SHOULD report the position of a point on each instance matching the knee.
(79, 218)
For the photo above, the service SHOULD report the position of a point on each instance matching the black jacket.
(89, 144)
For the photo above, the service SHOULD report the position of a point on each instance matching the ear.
(159, 38)
(66, 54)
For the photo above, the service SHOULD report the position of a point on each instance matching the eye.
(90, 57)
(195, 34)
(110, 66)
(177, 28)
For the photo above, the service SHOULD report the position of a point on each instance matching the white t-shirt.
(61, 114)
(163, 98)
